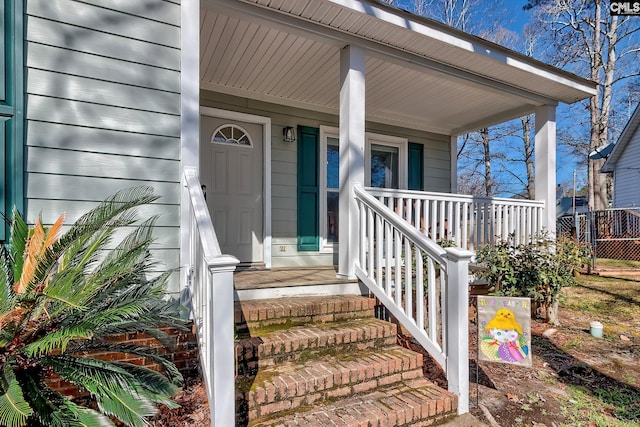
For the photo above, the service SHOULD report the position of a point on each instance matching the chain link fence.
(611, 233)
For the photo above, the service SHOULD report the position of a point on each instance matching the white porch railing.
(471, 222)
(423, 285)
(210, 281)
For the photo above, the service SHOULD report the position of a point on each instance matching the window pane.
(384, 166)
(333, 162)
(332, 216)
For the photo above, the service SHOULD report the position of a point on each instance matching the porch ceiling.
(420, 74)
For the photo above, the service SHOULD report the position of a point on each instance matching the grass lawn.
(576, 379)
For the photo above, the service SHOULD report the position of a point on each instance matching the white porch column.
(454, 163)
(189, 121)
(545, 163)
(352, 143)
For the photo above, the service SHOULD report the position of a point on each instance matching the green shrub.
(538, 270)
(61, 297)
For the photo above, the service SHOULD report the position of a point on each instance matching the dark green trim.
(308, 189)
(416, 166)
(13, 135)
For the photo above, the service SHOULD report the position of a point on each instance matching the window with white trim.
(385, 167)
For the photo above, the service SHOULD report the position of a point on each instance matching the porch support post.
(454, 164)
(352, 143)
(189, 122)
(457, 325)
(545, 164)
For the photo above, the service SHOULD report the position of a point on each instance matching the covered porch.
(360, 67)
(357, 73)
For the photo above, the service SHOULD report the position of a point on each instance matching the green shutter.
(308, 189)
(416, 166)
(11, 108)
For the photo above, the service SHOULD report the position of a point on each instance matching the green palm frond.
(60, 299)
(149, 353)
(126, 405)
(94, 375)
(14, 409)
(128, 252)
(51, 409)
(153, 385)
(114, 212)
(89, 418)
(17, 242)
(114, 389)
(7, 300)
(57, 340)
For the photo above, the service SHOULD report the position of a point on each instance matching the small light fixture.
(289, 134)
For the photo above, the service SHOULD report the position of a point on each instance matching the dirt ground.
(575, 380)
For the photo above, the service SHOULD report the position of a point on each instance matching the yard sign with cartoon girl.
(504, 330)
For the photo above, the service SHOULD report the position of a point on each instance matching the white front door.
(231, 168)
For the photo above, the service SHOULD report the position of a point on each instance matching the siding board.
(65, 162)
(50, 210)
(58, 110)
(100, 92)
(162, 11)
(105, 20)
(92, 66)
(627, 173)
(99, 43)
(84, 188)
(62, 136)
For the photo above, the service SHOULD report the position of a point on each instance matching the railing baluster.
(408, 306)
(432, 300)
(442, 234)
(397, 254)
(433, 227)
(371, 241)
(363, 235)
(387, 257)
(420, 301)
(425, 218)
(379, 249)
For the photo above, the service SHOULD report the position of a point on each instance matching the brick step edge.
(292, 385)
(418, 403)
(304, 341)
(298, 310)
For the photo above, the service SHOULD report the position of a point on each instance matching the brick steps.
(291, 385)
(326, 361)
(303, 310)
(417, 403)
(271, 347)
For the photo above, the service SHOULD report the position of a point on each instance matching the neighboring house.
(571, 205)
(285, 108)
(623, 163)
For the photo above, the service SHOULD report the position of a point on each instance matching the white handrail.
(468, 221)
(210, 281)
(424, 286)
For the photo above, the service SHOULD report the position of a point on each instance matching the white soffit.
(419, 73)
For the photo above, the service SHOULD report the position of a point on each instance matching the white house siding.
(626, 191)
(103, 109)
(284, 167)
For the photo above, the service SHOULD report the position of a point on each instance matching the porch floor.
(287, 277)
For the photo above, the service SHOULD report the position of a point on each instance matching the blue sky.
(515, 21)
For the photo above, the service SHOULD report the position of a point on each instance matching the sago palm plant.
(61, 297)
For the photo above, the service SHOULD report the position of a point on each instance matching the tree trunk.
(551, 315)
(488, 183)
(528, 155)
